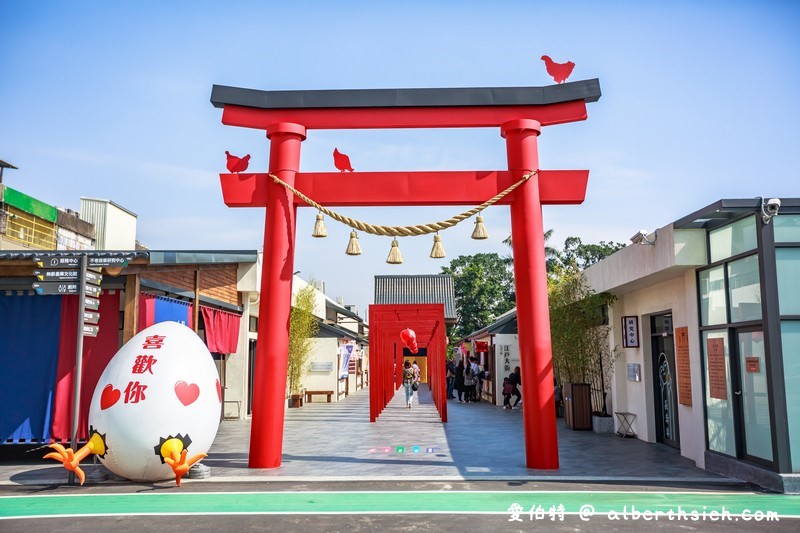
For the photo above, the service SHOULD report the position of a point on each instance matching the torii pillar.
(519, 113)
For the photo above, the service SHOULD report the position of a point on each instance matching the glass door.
(752, 395)
(665, 385)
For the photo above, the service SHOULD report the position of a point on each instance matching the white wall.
(677, 296)
(503, 369)
(325, 350)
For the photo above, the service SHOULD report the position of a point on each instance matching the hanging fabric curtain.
(154, 309)
(29, 333)
(97, 352)
(147, 311)
(222, 330)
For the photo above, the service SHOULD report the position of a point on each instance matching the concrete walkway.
(336, 442)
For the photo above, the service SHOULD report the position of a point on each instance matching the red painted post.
(272, 350)
(533, 315)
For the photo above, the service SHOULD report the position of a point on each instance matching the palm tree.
(552, 256)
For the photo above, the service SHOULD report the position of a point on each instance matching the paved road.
(341, 473)
(402, 506)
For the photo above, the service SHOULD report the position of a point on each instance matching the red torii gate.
(519, 113)
(386, 353)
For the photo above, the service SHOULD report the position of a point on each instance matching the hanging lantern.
(395, 257)
(437, 252)
(319, 227)
(479, 232)
(353, 248)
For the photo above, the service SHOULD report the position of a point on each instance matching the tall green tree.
(303, 328)
(584, 255)
(579, 333)
(552, 256)
(484, 290)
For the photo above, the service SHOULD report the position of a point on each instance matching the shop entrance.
(665, 384)
(751, 395)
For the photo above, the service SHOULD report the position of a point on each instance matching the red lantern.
(408, 336)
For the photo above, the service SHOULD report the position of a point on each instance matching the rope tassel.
(319, 227)
(353, 248)
(405, 231)
(479, 232)
(437, 252)
(395, 257)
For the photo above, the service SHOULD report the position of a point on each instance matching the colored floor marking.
(469, 502)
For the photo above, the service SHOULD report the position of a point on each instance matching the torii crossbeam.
(518, 112)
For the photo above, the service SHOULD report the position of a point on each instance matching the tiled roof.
(422, 289)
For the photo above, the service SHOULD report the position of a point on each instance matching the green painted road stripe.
(498, 502)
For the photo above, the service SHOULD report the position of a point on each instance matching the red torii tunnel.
(518, 112)
(386, 352)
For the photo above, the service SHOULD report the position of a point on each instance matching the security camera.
(641, 238)
(770, 208)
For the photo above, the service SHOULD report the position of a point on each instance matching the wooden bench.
(309, 393)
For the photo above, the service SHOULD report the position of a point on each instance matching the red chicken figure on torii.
(519, 114)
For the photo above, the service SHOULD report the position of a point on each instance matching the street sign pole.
(76, 398)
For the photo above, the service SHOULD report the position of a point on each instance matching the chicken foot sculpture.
(71, 459)
(174, 452)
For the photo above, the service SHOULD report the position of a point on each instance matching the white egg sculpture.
(159, 395)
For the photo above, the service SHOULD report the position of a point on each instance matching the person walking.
(409, 379)
(459, 381)
(476, 377)
(508, 390)
(515, 378)
(469, 382)
(451, 379)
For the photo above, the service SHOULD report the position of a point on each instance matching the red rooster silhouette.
(237, 164)
(559, 71)
(341, 161)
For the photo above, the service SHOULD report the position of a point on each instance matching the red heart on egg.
(219, 391)
(187, 393)
(109, 397)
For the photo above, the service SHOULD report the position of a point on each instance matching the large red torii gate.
(519, 113)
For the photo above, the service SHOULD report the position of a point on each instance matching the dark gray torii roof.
(587, 90)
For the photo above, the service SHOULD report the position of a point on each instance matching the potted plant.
(582, 357)
(303, 327)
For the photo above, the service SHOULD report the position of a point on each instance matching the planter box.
(578, 406)
(296, 400)
(602, 424)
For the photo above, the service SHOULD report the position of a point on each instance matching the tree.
(303, 327)
(484, 290)
(579, 333)
(583, 255)
(575, 252)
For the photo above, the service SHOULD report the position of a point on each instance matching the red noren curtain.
(222, 330)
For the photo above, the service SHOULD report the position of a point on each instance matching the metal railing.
(28, 229)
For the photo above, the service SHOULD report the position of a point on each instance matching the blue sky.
(111, 100)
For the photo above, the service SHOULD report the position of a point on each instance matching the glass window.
(712, 296)
(755, 395)
(787, 228)
(719, 403)
(745, 289)
(790, 338)
(788, 266)
(733, 239)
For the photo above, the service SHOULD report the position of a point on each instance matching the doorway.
(665, 385)
(751, 395)
(251, 367)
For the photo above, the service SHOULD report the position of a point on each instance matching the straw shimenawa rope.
(404, 231)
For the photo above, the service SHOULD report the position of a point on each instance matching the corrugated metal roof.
(420, 289)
